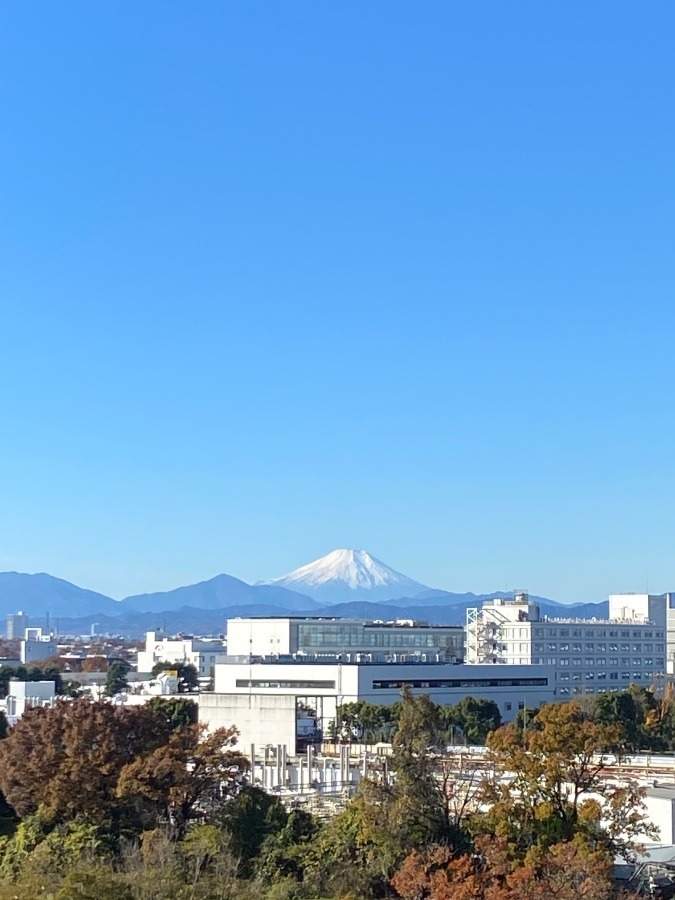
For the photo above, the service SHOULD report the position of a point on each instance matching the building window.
(576, 661)
(508, 706)
(259, 683)
(625, 676)
(601, 648)
(613, 676)
(563, 662)
(601, 661)
(576, 648)
(552, 648)
(564, 648)
(564, 632)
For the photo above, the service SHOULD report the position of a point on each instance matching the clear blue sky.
(283, 277)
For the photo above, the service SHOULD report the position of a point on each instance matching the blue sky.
(284, 277)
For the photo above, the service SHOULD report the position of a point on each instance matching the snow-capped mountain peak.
(344, 575)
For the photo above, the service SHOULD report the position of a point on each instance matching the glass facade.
(335, 637)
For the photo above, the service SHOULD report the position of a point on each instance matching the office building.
(589, 656)
(16, 626)
(352, 640)
(202, 654)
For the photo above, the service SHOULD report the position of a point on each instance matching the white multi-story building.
(16, 625)
(203, 655)
(589, 656)
(24, 694)
(350, 639)
(37, 646)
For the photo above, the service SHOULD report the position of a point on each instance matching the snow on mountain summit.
(345, 575)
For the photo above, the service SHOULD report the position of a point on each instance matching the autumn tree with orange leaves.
(550, 785)
(565, 871)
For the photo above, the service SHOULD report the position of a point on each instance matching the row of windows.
(359, 637)
(602, 676)
(593, 663)
(597, 633)
(255, 683)
(460, 683)
(564, 647)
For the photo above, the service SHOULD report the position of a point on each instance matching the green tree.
(475, 717)
(250, 818)
(178, 712)
(116, 678)
(365, 722)
(283, 854)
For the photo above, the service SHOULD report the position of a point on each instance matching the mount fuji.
(349, 575)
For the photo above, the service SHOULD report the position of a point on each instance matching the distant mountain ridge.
(349, 583)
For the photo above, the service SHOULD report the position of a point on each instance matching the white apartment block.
(203, 655)
(589, 656)
(37, 646)
(24, 694)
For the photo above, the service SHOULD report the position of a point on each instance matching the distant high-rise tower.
(16, 625)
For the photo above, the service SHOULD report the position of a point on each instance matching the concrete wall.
(31, 651)
(258, 637)
(260, 719)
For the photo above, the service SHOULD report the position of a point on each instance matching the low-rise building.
(37, 646)
(267, 700)
(204, 655)
(24, 694)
